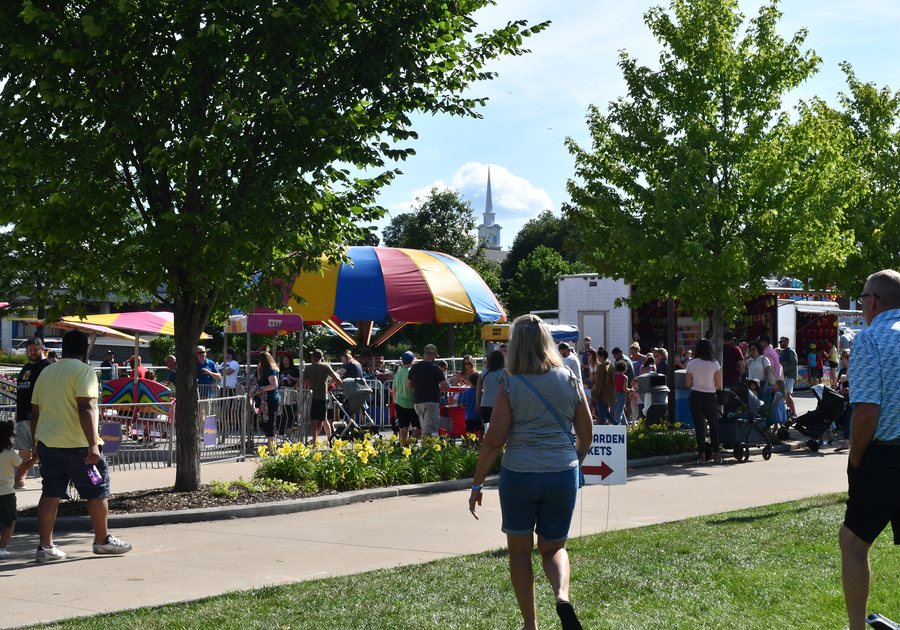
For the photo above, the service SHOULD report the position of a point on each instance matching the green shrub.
(160, 348)
(16, 359)
(659, 439)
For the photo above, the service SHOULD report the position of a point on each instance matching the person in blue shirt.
(467, 399)
(873, 473)
(207, 374)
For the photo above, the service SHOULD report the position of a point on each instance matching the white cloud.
(510, 194)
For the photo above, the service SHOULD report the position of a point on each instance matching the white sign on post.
(607, 459)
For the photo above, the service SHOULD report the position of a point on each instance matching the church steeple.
(489, 231)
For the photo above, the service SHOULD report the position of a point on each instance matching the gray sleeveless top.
(536, 443)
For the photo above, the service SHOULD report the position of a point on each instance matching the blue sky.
(541, 98)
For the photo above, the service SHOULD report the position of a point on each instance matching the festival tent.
(399, 286)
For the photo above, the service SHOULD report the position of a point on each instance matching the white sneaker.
(112, 546)
(4, 553)
(46, 555)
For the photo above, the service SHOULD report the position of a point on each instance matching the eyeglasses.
(862, 297)
(201, 351)
(467, 363)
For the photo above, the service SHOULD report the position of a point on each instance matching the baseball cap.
(564, 346)
(407, 357)
(764, 338)
(317, 354)
(727, 335)
(431, 348)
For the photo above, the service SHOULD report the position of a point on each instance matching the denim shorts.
(60, 465)
(538, 502)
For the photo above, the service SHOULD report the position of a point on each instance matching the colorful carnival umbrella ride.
(400, 286)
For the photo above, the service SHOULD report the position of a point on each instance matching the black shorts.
(874, 493)
(486, 414)
(474, 426)
(407, 417)
(7, 509)
(813, 372)
(318, 410)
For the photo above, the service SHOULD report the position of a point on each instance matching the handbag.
(565, 430)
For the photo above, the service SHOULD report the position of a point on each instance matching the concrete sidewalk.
(172, 563)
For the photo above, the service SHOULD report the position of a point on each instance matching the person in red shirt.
(733, 366)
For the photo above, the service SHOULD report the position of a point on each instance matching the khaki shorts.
(429, 417)
(23, 440)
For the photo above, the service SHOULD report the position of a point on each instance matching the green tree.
(698, 186)
(873, 217)
(442, 222)
(558, 233)
(535, 286)
(184, 148)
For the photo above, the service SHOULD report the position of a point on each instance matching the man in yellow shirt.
(64, 426)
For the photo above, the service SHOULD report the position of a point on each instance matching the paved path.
(181, 562)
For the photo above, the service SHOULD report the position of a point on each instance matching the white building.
(589, 302)
(489, 230)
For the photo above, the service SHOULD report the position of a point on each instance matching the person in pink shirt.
(771, 355)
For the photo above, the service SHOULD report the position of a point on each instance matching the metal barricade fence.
(293, 414)
(380, 401)
(223, 428)
(138, 435)
(143, 435)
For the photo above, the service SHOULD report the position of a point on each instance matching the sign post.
(607, 459)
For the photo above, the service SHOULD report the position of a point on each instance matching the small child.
(586, 386)
(622, 391)
(753, 403)
(779, 410)
(474, 423)
(813, 372)
(9, 462)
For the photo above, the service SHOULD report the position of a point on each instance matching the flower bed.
(651, 440)
(357, 464)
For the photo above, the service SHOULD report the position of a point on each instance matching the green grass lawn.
(770, 567)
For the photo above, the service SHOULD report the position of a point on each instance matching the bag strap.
(543, 400)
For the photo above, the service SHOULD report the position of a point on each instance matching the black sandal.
(567, 616)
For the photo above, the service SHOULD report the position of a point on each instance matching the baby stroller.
(350, 402)
(813, 424)
(739, 427)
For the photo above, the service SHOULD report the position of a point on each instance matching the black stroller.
(813, 424)
(739, 428)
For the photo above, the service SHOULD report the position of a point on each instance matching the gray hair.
(886, 283)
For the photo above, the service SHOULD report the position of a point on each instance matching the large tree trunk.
(190, 319)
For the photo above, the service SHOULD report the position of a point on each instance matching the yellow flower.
(407, 452)
(437, 447)
(393, 437)
(263, 451)
(364, 457)
(317, 456)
